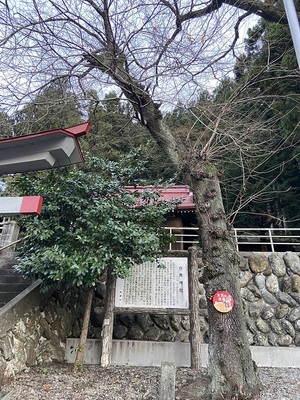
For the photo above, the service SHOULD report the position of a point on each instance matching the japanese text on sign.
(155, 287)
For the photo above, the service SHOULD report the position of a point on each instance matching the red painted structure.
(38, 151)
(27, 205)
(182, 220)
(43, 150)
(181, 192)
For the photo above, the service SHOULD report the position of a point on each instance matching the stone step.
(13, 278)
(7, 264)
(9, 275)
(8, 271)
(12, 282)
(15, 287)
(5, 297)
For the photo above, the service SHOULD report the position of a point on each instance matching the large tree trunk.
(230, 363)
(231, 369)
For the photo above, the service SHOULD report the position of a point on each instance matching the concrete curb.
(145, 353)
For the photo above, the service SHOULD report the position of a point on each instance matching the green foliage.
(269, 78)
(89, 221)
(183, 122)
(6, 128)
(114, 133)
(54, 107)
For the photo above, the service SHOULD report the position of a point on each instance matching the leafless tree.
(156, 52)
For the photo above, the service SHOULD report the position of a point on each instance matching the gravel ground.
(58, 382)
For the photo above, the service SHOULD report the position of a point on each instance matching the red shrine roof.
(42, 150)
(182, 192)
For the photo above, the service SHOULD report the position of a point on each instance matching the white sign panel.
(155, 287)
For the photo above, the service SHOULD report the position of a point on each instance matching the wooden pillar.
(195, 333)
(108, 322)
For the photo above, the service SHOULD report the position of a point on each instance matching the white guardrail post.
(271, 240)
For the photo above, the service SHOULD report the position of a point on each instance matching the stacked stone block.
(270, 289)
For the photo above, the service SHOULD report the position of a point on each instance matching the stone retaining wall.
(34, 327)
(34, 331)
(270, 288)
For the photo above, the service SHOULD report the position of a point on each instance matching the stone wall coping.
(15, 309)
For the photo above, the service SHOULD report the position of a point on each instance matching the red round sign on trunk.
(223, 301)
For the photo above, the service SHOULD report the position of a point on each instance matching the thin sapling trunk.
(78, 364)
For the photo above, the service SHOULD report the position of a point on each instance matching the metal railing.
(268, 239)
(247, 239)
(184, 237)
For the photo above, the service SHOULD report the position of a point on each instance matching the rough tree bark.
(231, 369)
(195, 330)
(84, 332)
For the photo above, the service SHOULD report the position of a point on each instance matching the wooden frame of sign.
(180, 297)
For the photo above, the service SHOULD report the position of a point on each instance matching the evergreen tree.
(268, 69)
(90, 224)
(6, 127)
(115, 132)
(54, 107)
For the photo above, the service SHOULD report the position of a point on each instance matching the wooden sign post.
(170, 289)
(195, 332)
(108, 322)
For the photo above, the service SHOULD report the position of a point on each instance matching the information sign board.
(150, 286)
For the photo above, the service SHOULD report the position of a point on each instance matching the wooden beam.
(195, 332)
